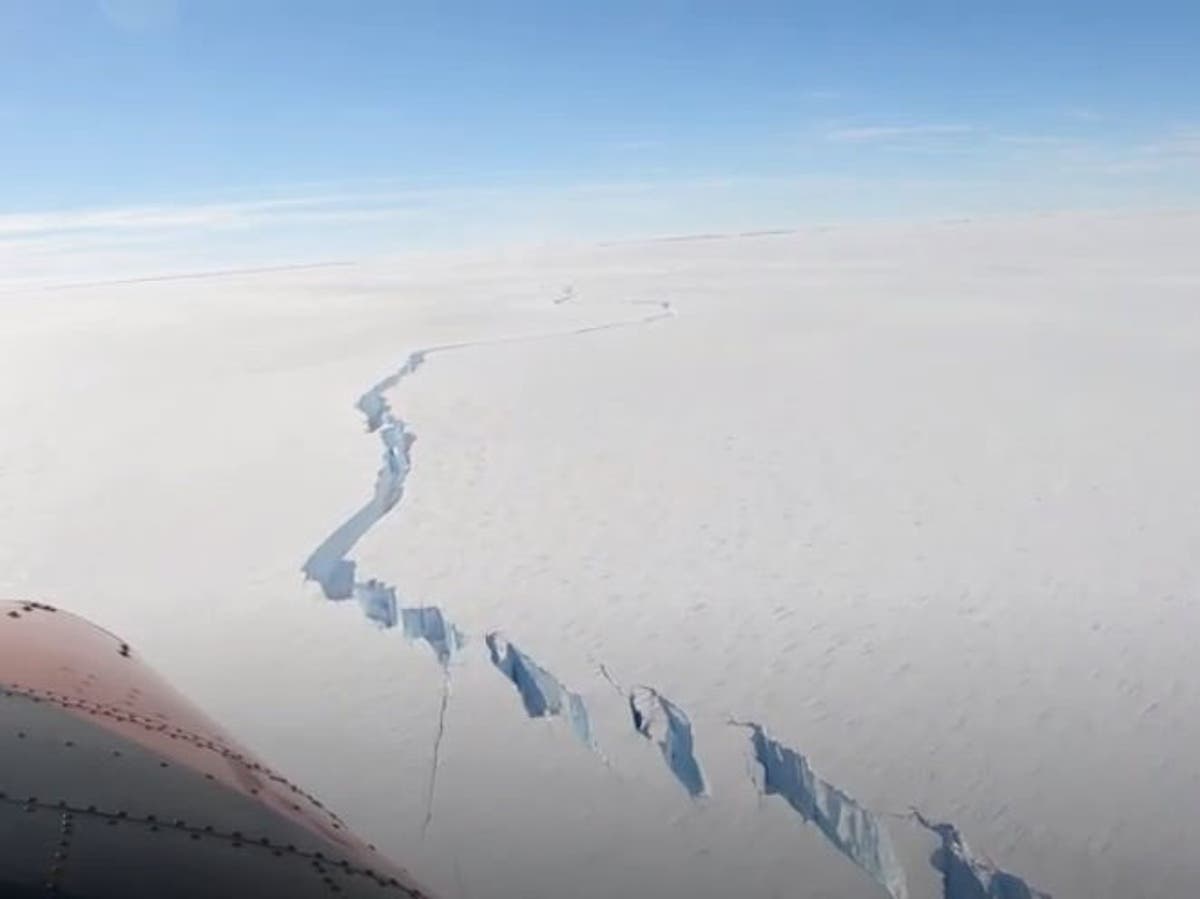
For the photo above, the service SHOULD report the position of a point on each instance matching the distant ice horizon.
(80, 247)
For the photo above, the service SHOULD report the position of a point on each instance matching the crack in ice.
(330, 564)
(542, 694)
(661, 721)
(657, 718)
(966, 875)
(331, 567)
(856, 832)
(437, 751)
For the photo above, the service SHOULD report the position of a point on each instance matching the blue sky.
(397, 123)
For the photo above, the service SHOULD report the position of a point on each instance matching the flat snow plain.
(922, 500)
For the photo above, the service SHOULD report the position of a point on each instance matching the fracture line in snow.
(966, 875)
(853, 830)
(661, 721)
(856, 832)
(437, 751)
(331, 567)
(657, 718)
(330, 564)
(543, 695)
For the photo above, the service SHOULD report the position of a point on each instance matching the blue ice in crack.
(541, 692)
(378, 602)
(372, 404)
(429, 624)
(329, 564)
(966, 875)
(397, 461)
(657, 718)
(856, 832)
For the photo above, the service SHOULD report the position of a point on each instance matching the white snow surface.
(924, 500)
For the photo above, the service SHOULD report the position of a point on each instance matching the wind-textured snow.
(956, 460)
(856, 832)
(966, 875)
(657, 718)
(542, 694)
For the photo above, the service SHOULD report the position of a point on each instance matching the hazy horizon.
(162, 135)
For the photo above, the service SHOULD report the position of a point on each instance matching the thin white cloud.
(1180, 143)
(1177, 148)
(203, 216)
(1125, 167)
(1052, 141)
(347, 206)
(130, 218)
(637, 144)
(873, 133)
